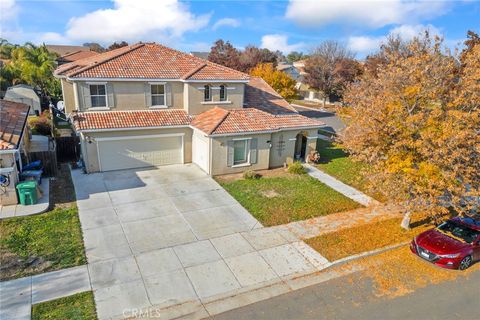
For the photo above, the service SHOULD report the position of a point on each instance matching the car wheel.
(466, 262)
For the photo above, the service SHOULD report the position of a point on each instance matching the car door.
(476, 249)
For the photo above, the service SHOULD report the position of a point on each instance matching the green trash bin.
(27, 192)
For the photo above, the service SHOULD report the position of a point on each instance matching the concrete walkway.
(318, 226)
(341, 187)
(17, 296)
(18, 210)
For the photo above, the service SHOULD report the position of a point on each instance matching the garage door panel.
(139, 152)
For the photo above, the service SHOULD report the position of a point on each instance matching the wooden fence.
(49, 161)
(68, 148)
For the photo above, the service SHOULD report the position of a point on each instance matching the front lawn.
(80, 306)
(285, 197)
(337, 163)
(363, 238)
(36, 244)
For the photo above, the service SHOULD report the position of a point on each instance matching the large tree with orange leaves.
(416, 122)
(278, 80)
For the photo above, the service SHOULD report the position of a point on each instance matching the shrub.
(41, 125)
(296, 168)
(250, 175)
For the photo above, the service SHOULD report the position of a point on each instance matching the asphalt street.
(347, 298)
(332, 121)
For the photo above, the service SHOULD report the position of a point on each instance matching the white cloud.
(280, 42)
(364, 44)
(134, 20)
(8, 18)
(369, 44)
(8, 9)
(51, 38)
(367, 13)
(226, 22)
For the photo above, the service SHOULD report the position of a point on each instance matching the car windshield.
(458, 231)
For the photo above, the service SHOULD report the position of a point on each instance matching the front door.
(300, 147)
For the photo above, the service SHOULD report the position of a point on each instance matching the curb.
(367, 254)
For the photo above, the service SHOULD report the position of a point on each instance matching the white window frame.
(209, 93)
(225, 98)
(247, 153)
(158, 106)
(104, 84)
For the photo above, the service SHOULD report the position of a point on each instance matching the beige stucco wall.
(68, 95)
(219, 154)
(128, 95)
(195, 95)
(89, 150)
(9, 197)
(284, 152)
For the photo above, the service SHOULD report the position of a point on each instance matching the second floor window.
(223, 93)
(207, 93)
(98, 95)
(158, 94)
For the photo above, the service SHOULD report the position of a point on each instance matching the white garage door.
(137, 152)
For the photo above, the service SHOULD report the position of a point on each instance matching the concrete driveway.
(172, 236)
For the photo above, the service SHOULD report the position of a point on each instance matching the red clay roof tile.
(258, 94)
(13, 117)
(130, 119)
(148, 61)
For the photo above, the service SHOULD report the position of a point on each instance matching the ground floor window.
(240, 151)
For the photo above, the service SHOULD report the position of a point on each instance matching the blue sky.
(195, 25)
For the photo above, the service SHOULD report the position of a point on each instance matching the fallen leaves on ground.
(363, 238)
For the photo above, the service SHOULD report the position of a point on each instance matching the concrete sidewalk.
(341, 187)
(17, 296)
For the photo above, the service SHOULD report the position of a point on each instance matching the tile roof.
(148, 61)
(65, 49)
(214, 121)
(221, 121)
(13, 117)
(130, 119)
(77, 55)
(258, 94)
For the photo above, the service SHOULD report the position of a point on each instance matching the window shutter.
(168, 94)
(229, 153)
(110, 96)
(148, 95)
(85, 90)
(253, 150)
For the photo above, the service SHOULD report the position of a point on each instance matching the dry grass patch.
(363, 238)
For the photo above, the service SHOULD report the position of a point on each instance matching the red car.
(454, 244)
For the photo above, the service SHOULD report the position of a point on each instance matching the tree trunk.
(324, 101)
(406, 221)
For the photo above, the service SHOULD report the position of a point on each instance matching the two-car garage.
(107, 152)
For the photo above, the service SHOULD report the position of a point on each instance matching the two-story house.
(149, 105)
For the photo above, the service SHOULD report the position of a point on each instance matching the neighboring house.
(62, 50)
(14, 139)
(289, 69)
(23, 93)
(149, 105)
(74, 56)
(304, 89)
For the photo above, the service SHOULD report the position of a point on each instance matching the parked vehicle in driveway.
(454, 244)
